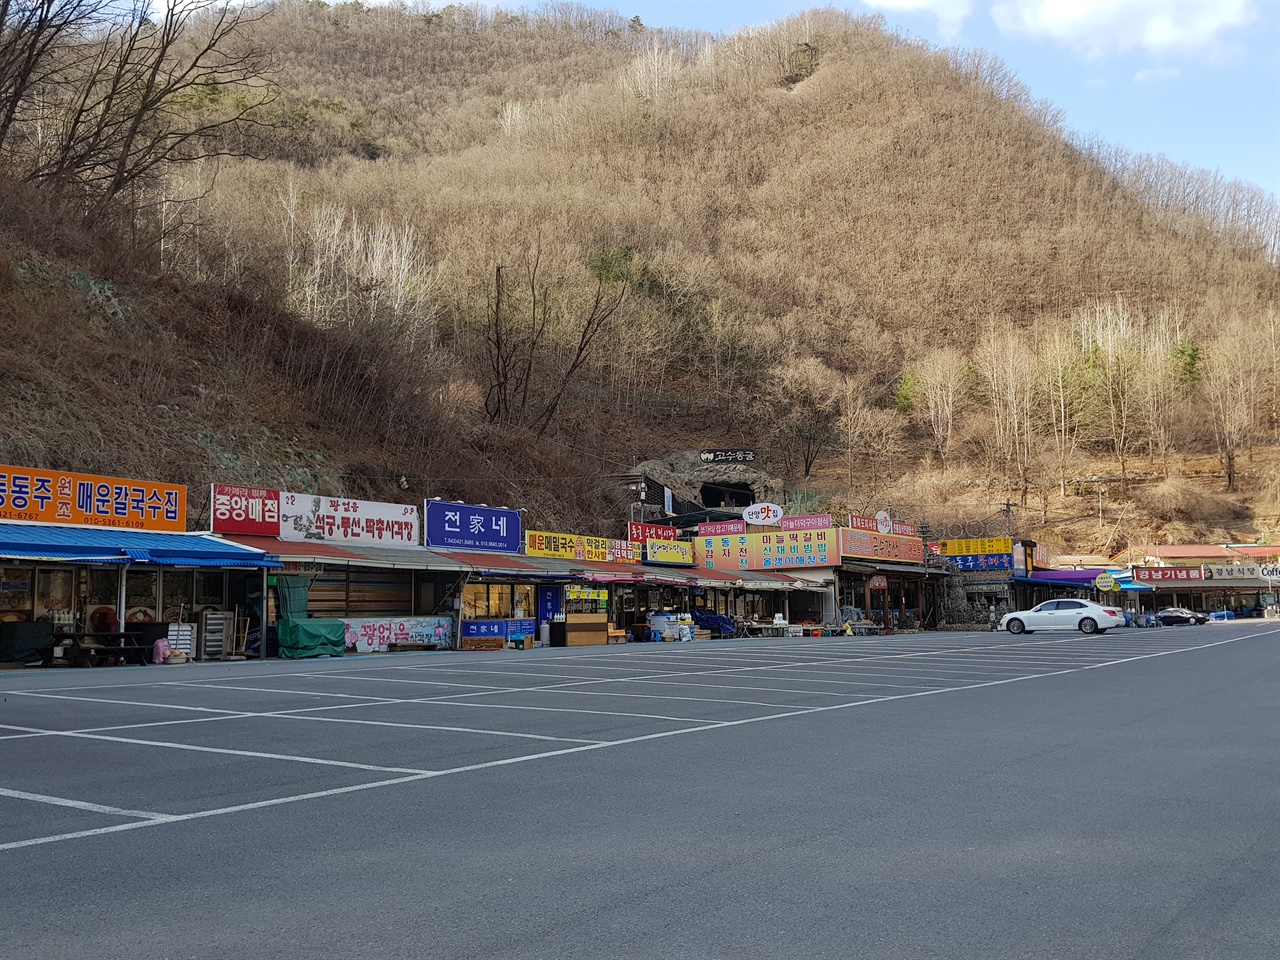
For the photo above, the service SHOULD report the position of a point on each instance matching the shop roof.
(41, 541)
(403, 557)
(1211, 552)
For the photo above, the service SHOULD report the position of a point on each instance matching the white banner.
(307, 517)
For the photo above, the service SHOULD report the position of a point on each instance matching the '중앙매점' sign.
(88, 500)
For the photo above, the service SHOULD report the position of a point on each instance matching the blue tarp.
(39, 541)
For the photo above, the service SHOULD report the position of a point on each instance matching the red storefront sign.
(246, 510)
(640, 532)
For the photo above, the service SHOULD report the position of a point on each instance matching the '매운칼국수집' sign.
(88, 500)
(768, 551)
(464, 526)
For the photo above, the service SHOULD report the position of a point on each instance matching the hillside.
(506, 258)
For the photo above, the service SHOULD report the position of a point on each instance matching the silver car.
(1083, 615)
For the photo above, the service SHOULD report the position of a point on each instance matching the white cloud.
(1158, 75)
(950, 14)
(1099, 27)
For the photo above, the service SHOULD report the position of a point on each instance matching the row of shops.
(301, 574)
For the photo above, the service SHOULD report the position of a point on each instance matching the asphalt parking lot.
(932, 795)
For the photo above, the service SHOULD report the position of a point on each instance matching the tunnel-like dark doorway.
(727, 495)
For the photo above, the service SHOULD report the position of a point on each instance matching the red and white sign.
(247, 510)
(310, 517)
(640, 532)
(879, 582)
(881, 520)
(819, 521)
(722, 528)
(762, 514)
(1167, 574)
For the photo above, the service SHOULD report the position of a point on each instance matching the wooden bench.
(617, 636)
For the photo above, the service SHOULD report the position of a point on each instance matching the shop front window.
(524, 601)
(15, 593)
(210, 591)
(475, 601)
(176, 591)
(99, 591)
(141, 590)
(55, 591)
(500, 600)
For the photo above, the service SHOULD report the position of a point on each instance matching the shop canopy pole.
(120, 598)
(262, 621)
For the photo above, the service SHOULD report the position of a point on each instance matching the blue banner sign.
(484, 628)
(983, 561)
(462, 526)
(522, 628)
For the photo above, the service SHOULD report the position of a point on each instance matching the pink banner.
(722, 528)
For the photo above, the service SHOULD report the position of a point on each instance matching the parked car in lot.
(1083, 615)
(1171, 616)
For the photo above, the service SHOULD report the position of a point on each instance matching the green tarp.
(311, 638)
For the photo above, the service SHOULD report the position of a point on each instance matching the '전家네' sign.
(464, 526)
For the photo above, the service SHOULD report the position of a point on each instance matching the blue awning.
(1051, 581)
(67, 544)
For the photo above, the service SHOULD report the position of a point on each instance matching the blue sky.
(1196, 80)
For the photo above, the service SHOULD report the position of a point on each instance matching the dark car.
(1170, 616)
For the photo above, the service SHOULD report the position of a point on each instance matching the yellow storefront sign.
(975, 547)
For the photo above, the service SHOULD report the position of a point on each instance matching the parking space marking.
(252, 754)
(82, 805)
(429, 726)
(414, 776)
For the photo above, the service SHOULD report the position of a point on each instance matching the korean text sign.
(640, 532)
(1167, 574)
(668, 551)
(768, 551)
(572, 546)
(463, 526)
(983, 561)
(880, 546)
(87, 500)
(966, 548)
(309, 517)
(245, 510)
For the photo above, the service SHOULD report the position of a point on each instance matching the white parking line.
(81, 805)
(253, 754)
(527, 758)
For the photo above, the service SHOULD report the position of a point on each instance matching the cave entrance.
(727, 495)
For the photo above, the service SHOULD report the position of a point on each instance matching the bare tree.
(113, 95)
(802, 403)
(1006, 364)
(1063, 380)
(517, 333)
(940, 379)
(1233, 391)
(1111, 336)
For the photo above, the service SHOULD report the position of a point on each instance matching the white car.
(1083, 615)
